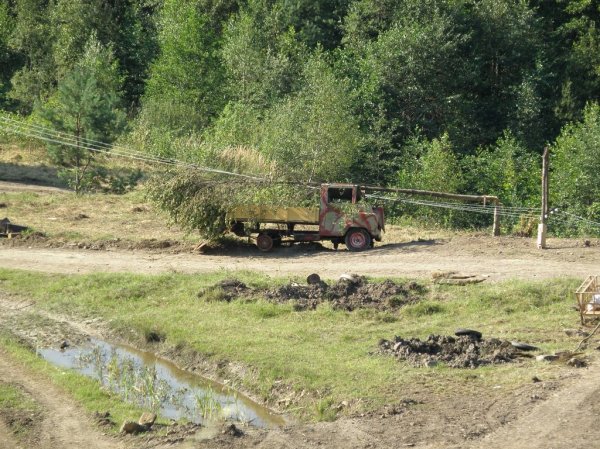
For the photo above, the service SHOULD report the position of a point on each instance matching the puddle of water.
(157, 384)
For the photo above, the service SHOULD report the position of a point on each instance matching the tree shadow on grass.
(41, 175)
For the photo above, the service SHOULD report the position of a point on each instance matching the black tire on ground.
(264, 242)
(357, 239)
(313, 279)
(524, 346)
(468, 332)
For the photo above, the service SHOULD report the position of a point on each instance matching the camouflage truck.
(342, 217)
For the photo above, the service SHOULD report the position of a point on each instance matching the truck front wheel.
(358, 239)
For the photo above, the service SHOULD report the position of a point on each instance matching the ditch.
(158, 385)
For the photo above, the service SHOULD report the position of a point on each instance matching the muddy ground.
(456, 352)
(544, 409)
(348, 293)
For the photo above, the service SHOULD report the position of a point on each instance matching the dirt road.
(63, 424)
(566, 420)
(497, 258)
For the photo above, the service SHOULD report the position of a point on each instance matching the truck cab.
(345, 217)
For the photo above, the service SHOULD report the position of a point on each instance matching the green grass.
(83, 389)
(12, 397)
(19, 407)
(326, 352)
(18, 410)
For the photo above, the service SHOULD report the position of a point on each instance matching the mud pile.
(456, 352)
(347, 294)
(226, 290)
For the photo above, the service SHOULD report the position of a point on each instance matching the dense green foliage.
(577, 152)
(457, 95)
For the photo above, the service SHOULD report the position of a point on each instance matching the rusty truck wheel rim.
(358, 240)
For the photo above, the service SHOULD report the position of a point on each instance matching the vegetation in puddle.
(146, 387)
(137, 384)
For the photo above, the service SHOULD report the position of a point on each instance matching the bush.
(575, 174)
(201, 202)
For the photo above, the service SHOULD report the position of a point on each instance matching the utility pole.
(543, 226)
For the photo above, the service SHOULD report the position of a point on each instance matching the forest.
(448, 95)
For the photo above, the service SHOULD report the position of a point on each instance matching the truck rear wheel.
(357, 239)
(264, 242)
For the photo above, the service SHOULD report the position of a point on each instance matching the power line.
(36, 131)
(51, 136)
(511, 212)
(502, 210)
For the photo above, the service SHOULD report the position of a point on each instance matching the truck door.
(336, 204)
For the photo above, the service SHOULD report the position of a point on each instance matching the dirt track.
(64, 424)
(497, 258)
(568, 419)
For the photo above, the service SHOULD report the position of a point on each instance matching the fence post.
(496, 227)
(543, 226)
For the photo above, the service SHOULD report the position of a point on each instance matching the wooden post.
(543, 226)
(496, 227)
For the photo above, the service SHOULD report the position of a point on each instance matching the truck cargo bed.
(265, 214)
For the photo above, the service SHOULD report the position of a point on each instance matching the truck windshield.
(340, 194)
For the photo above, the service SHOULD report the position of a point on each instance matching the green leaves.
(202, 203)
(505, 169)
(184, 91)
(575, 165)
(85, 106)
(313, 133)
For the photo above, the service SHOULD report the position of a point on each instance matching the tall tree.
(263, 57)
(185, 88)
(126, 25)
(313, 134)
(32, 40)
(407, 77)
(504, 53)
(580, 34)
(86, 107)
(8, 60)
(317, 22)
(575, 166)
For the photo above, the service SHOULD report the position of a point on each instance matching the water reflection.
(157, 384)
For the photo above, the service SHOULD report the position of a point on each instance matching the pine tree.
(86, 106)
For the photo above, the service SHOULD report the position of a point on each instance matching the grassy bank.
(326, 353)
